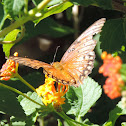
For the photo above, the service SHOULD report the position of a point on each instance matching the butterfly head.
(57, 66)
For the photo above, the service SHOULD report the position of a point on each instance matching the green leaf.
(10, 37)
(69, 13)
(123, 48)
(123, 124)
(19, 123)
(83, 2)
(55, 9)
(86, 121)
(2, 17)
(36, 2)
(29, 106)
(52, 2)
(9, 104)
(123, 72)
(31, 119)
(1, 12)
(13, 7)
(59, 122)
(123, 68)
(82, 98)
(47, 26)
(114, 114)
(98, 51)
(105, 4)
(113, 35)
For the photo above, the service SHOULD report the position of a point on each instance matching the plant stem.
(25, 82)
(38, 8)
(15, 25)
(19, 92)
(17, 40)
(24, 19)
(26, 6)
(42, 4)
(66, 119)
(70, 121)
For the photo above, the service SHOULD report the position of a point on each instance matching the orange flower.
(113, 86)
(111, 65)
(114, 83)
(51, 94)
(8, 69)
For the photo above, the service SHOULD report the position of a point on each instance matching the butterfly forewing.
(79, 58)
(76, 63)
(84, 38)
(35, 64)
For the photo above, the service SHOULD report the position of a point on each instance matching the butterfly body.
(64, 76)
(76, 64)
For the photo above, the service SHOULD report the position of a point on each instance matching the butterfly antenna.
(55, 53)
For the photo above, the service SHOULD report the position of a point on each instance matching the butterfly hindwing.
(77, 62)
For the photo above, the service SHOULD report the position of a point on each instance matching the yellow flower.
(51, 93)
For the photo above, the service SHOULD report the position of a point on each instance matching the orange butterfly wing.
(76, 63)
(79, 58)
(62, 76)
(35, 64)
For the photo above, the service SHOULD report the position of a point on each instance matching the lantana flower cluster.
(51, 93)
(9, 69)
(110, 68)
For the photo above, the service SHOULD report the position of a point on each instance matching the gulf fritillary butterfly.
(77, 61)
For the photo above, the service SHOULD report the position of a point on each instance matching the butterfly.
(77, 62)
